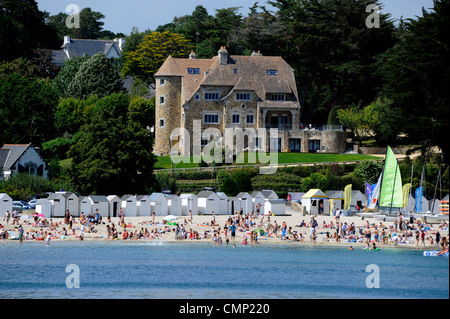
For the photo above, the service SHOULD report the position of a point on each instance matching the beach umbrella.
(170, 217)
(24, 217)
(41, 215)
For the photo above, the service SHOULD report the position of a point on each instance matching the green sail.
(391, 186)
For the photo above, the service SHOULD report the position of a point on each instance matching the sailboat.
(388, 192)
(390, 189)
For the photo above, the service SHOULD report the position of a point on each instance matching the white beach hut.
(5, 204)
(358, 200)
(335, 201)
(223, 204)
(313, 201)
(174, 205)
(44, 207)
(258, 202)
(269, 194)
(189, 202)
(100, 203)
(143, 205)
(275, 207)
(72, 204)
(129, 205)
(208, 202)
(58, 201)
(114, 205)
(246, 202)
(159, 204)
(234, 205)
(85, 205)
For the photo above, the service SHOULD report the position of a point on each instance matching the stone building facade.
(253, 93)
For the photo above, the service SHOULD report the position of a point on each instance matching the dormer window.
(242, 96)
(272, 72)
(278, 97)
(212, 96)
(193, 71)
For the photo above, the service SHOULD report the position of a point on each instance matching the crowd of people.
(251, 227)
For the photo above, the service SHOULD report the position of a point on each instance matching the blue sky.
(123, 15)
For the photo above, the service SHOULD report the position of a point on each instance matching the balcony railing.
(279, 126)
(321, 127)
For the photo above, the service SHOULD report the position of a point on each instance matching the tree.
(65, 76)
(96, 76)
(23, 29)
(333, 52)
(114, 154)
(151, 53)
(91, 26)
(368, 171)
(416, 78)
(26, 110)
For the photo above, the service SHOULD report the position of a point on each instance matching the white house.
(143, 205)
(114, 205)
(189, 202)
(159, 204)
(258, 202)
(21, 158)
(246, 202)
(72, 48)
(100, 203)
(223, 204)
(5, 204)
(129, 205)
(174, 205)
(313, 200)
(44, 207)
(275, 207)
(208, 202)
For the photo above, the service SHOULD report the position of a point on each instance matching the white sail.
(376, 193)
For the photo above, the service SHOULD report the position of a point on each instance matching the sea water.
(140, 270)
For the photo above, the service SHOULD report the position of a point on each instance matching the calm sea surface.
(202, 270)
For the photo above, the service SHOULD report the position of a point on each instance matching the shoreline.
(160, 232)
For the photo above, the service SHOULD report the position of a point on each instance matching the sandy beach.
(202, 228)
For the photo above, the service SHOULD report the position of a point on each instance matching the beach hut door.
(114, 209)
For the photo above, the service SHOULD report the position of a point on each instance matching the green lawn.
(164, 162)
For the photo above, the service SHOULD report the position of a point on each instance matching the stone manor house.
(232, 91)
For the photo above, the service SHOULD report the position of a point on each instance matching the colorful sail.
(375, 194)
(391, 187)
(418, 195)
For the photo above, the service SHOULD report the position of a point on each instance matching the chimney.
(256, 53)
(192, 55)
(120, 42)
(66, 39)
(223, 56)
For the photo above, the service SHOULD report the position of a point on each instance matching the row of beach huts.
(206, 202)
(315, 202)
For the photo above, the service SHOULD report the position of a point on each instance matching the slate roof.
(81, 47)
(250, 75)
(10, 153)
